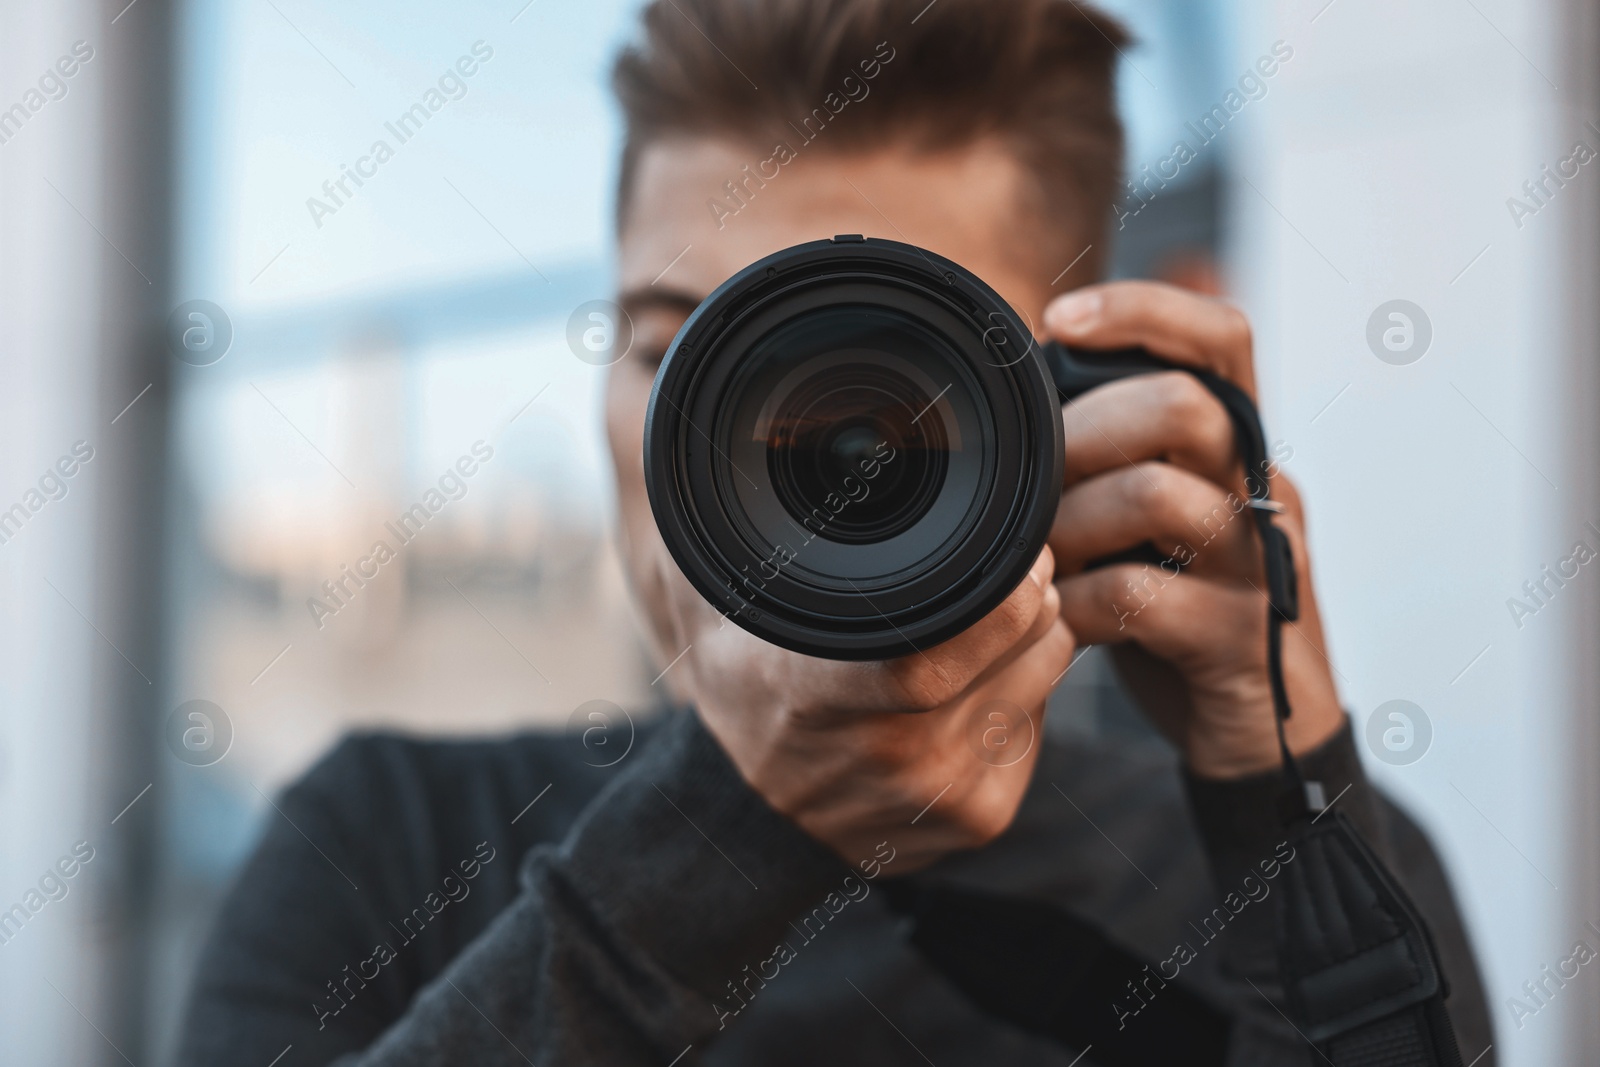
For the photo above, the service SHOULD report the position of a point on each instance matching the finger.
(1171, 322)
(1177, 617)
(1049, 615)
(1285, 492)
(926, 679)
(1183, 617)
(1029, 679)
(1026, 683)
(1186, 517)
(1168, 416)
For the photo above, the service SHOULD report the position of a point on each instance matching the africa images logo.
(1399, 332)
(199, 333)
(1399, 732)
(199, 733)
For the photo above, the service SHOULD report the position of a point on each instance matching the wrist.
(1240, 821)
(1249, 746)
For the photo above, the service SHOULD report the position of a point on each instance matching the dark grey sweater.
(410, 907)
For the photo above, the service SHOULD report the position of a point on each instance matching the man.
(711, 897)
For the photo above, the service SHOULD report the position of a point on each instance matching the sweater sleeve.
(626, 934)
(623, 937)
(1244, 843)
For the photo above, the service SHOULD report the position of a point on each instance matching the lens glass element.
(861, 433)
(856, 442)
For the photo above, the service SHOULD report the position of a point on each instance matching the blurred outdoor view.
(388, 337)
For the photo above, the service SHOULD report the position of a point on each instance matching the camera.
(853, 447)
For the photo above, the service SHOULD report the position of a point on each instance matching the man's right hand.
(862, 753)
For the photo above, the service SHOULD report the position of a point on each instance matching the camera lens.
(858, 435)
(836, 456)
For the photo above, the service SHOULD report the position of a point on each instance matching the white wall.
(1381, 162)
(49, 264)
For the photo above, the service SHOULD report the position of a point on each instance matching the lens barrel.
(853, 449)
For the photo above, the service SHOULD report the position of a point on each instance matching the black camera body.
(854, 446)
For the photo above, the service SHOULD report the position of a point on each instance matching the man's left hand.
(1152, 459)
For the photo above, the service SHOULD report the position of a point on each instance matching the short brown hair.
(1035, 74)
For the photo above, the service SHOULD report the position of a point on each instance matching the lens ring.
(715, 489)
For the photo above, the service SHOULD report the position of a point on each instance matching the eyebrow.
(650, 297)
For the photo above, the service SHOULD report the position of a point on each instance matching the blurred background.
(246, 389)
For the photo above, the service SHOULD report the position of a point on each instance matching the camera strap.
(1360, 974)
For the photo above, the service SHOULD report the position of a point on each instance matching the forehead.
(702, 209)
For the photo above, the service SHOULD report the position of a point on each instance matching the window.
(396, 214)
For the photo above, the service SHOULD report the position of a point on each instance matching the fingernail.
(1074, 312)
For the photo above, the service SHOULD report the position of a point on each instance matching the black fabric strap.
(1360, 971)
(1044, 969)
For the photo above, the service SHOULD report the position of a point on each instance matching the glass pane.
(391, 501)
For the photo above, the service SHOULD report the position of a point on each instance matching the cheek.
(627, 395)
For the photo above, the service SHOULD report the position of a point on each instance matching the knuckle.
(982, 821)
(1146, 489)
(1236, 330)
(1016, 613)
(1190, 410)
(919, 685)
(1183, 399)
(1128, 588)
